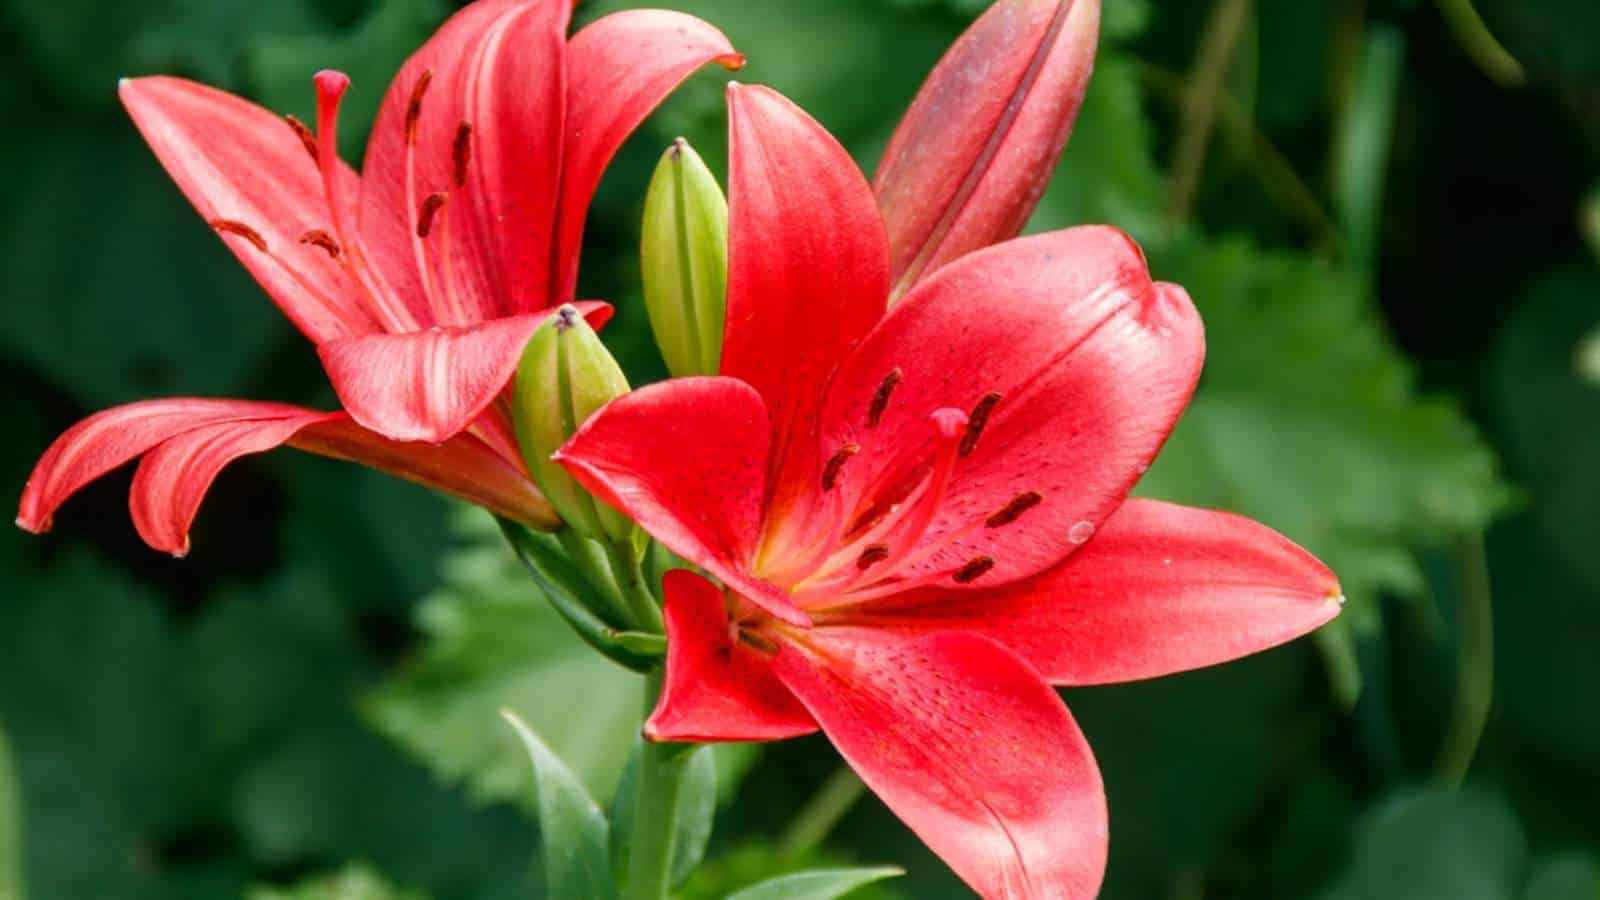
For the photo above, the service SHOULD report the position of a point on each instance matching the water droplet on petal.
(1081, 532)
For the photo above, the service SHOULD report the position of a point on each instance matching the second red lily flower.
(919, 517)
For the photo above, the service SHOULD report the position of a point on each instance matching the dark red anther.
(830, 472)
(307, 138)
(229, 226)
(871, 556)
(1013, 511)
(880, 399)
(977, 421)
(414, 106)
(974, 570)
(430, 208)
(319, 238)
(461, 152)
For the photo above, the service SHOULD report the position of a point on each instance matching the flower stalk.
(655, 821)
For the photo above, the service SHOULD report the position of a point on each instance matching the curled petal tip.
(733, 62)
(32, 527)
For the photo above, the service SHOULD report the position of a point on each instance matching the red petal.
(115, 436)
(685, 459)
(497, 66)
(239, 163)
(717, 689)
(186, 442)
(969, 747)
(1093, 365)
(972, 156)
(430, 385)
(808, 270)
(173, 478)
(463, 466)
(618, 70)
(1160, 589)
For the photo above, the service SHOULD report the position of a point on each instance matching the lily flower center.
(870, 538)
(428, 214)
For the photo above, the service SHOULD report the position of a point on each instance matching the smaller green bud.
(566, 374)
(684, 255)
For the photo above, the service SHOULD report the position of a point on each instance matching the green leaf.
(697, 808)
(126, 320)
(818, 884)
(1567, 877)
(11, 871)
(1361, 153)
(493, 642)
(572, 829)
(1309, 420)
(354, 882)
(1436, 845)
(208, 39)
(370, 52)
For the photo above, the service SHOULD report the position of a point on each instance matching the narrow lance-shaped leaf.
(572, 830)
(819, 884)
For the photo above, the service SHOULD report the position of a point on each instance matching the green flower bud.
(566, 375)
(685, 261)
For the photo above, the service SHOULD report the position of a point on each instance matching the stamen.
(871, 556)
(974, 570)
(1013, 511)
(319, 238)
(430, 208)
(977, 421)
(414, 106)
(880, 399)
(461, 153)
(229, 226)
(307, 139)
(830, 472)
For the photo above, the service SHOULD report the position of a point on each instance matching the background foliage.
(1384, 230)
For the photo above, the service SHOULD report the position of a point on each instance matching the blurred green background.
(1386, 220)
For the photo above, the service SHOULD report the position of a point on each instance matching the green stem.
(655, 812)
(635, 589)
(593, 563)
(11, 880)
(1475, 666)
(1474, 36)
(825, 809)
(1217, 43)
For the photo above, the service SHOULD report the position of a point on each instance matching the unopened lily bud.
(968, 163)
(685, 261)
(566, 375)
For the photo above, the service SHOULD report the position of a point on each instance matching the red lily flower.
(421, 279)
(919, 516)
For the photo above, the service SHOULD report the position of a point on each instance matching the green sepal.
(575, 601)
(573, 833)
